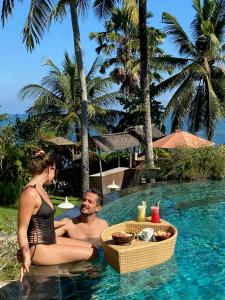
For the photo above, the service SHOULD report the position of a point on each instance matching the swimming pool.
(197, 270)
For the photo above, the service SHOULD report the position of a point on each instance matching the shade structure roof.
(114, 142)
(181, 139)
(132, 137)
(59, 141)
(138, 131)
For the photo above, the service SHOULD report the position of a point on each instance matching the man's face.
(89, 204)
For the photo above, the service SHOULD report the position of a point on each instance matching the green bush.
(10, 192)
(189, 163)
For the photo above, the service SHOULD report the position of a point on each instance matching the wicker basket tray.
(138, 255)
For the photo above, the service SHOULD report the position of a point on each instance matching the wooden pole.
(118, 155)
(100, 168)
(131, 159)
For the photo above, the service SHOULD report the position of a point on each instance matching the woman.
(36, 234)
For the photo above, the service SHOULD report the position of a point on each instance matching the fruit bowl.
(162, 235)
(122, 237)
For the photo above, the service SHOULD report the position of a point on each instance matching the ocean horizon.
(218, 138)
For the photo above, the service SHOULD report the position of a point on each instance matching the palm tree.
(57, 99)
(38, 20)
(200, 83)
(119, 44)
(104, 7)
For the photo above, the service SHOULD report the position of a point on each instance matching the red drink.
(155, 214)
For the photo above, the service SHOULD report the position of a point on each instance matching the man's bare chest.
(83, 232)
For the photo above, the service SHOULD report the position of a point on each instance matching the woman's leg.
(60, 253)
(72, 242)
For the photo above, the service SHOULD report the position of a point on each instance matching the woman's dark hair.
(40, 161)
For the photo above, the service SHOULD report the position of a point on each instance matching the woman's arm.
(61, 223)
(27, 203)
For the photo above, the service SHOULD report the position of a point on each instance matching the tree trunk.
(84, 100)
(144, 83)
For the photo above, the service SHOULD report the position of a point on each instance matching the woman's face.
(50, 174)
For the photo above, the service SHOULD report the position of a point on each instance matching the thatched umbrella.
(62, 143)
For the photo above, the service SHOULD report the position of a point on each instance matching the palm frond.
(218, 19)
(214, 109)
(168, 62)
(34, 91)
(132, 8)
(170, 83)
(107, 99)
(58, 11)
(178, 35)
(83, 7)
(196, 111)
(36, 22)
(96, 65)
(103, 7)
(7, 10)
(180, 102)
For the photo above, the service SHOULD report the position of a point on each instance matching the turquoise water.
(197, 270)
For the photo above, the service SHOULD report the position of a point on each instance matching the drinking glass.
(141, 213)
(155, 218)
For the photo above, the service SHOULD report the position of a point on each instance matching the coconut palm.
(120, 45)
(38, 20)
(199, 97)
(58, 99)
(104, 7)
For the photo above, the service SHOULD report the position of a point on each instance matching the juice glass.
(141, 213)
(155, 218)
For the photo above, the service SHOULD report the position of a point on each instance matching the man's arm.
(60, 231)
(60, 223)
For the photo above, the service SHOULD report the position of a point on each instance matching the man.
(87, 226)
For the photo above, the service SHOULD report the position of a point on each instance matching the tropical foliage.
(193, 164)
(57, 100)
(119, 44)
(199, 97)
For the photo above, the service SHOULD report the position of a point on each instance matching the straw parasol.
(182, 139)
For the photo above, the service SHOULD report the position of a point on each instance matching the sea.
(218, 138)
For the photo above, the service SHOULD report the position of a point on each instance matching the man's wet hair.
(98, 193)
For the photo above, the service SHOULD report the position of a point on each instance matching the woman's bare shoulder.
(28, 192)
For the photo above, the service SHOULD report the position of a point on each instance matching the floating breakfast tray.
(139, 254)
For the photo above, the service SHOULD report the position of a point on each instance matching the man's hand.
(58, 224)
(64, 221)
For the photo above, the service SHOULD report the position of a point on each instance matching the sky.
(19, 67)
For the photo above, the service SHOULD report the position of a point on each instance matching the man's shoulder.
(102, 222)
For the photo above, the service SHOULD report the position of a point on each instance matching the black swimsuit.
(41, 226)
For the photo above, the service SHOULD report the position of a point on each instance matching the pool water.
(197, 270)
